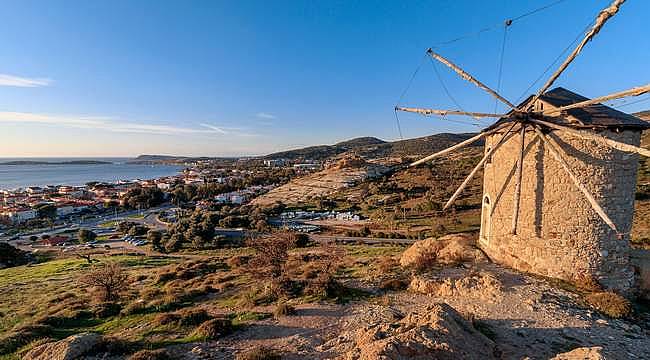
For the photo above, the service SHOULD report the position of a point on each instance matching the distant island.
(71, 162)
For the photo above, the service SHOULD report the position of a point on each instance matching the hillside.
(373, 148)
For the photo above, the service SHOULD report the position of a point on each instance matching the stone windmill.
(559, 179)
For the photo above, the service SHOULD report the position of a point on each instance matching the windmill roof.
(593, 115)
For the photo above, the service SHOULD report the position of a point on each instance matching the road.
(359, 240)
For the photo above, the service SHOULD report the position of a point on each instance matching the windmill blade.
(589, 136)
(601, 19)
(448, 112)
(469, 77)
(621, 94)
(520, 166)
(457, 146)
(554, 149)
(477, 167)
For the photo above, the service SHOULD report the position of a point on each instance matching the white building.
(20, 215)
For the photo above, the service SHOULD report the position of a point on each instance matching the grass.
(108, 224)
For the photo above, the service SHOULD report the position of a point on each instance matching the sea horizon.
(117, 169)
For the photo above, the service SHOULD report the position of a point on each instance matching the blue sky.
(121, 78)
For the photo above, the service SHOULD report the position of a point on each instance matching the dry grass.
(394, 285)
(283, 309)
(610, 304)
(259, 353)
(160, 354)
(214, 329)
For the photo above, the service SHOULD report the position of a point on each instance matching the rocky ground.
(461, 307)
(511, 316)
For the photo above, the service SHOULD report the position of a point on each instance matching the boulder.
(583, 353)
(479, 285)
(437, 332)
(70, 348)
(449, 249)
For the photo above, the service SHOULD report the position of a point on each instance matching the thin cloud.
(215, 128)
(108, 124)
(10, 80)
(264, 115)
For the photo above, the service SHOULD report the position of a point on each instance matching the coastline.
(15, 177)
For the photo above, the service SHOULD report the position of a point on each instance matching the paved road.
(360, 240)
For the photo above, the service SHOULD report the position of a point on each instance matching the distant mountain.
(370, 147)
(71, 162)
(360, 141)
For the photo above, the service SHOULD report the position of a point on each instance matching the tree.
(109, 279)
(86, 235)
(155, 238)
(175, 242)
(46, 211)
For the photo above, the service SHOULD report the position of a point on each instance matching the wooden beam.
(554, 149)
(601, 19)
(621, 94)
(448, 112)
(469, 77)
(589, 136)
(520, 165)
(478, 166)
(457, 146)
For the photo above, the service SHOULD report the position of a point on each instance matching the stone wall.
(559, 234)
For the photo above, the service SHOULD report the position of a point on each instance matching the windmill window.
(489, 159)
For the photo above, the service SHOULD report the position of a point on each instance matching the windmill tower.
(559, 179)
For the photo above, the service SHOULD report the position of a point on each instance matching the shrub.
(587, 282)
(136, 307)
(166, 318)
(23, 335)
(106, 309)
(386, 264)
(394, 284)
(237, 261)
(610, 304)
(193, 317)
(283, 309)
(109, 279)
(160, 354)
(213, 329)
(258, 353)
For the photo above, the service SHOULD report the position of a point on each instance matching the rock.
(583, 353)
(476, 285)
(438, 332)
(70, 348)
(445, 250)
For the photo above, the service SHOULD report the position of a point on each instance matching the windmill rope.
(401, 97)
(506, 25)
(550, 66)
(496, 26)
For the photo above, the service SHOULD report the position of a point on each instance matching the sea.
(20, 176)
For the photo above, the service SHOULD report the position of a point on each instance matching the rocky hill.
(373, 148)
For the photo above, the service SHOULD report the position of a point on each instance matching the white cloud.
(10, 80)
(109, 124)
(264, 115)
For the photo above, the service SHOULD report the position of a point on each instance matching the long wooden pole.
(477, 167)
(448, 112)
(520, 165)
(602, 18)
(589, 136)
(465, 75)
(554, 149)
(456, 147)
(631, 92)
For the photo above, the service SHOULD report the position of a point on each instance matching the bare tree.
(109, 279)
